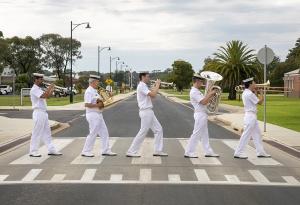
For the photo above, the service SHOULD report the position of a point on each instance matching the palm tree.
(235, 63)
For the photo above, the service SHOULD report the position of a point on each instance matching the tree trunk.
(232, 92)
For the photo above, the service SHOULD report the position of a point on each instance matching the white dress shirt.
(37, 102)
(195, 97)
(90, 96)
(144, 101)
(250, 101)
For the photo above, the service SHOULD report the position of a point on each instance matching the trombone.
(152, 83)
(266, 85)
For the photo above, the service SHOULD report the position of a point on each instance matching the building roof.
(294, 72)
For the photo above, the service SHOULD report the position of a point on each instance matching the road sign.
(264, 56)
(108, 81)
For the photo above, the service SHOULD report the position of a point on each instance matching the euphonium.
(105, 97)
(213, 103)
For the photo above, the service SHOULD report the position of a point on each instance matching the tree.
(235, 62)
(182, 74)
(56, 53)
(22, 54)
(22, 81)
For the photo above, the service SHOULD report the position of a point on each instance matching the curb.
(6, 146)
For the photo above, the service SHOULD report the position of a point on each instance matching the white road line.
(3, 177)
(259, 176)
(58, 177)
(116, 177)
(97, 150)
(145, 175)
(202, 175)
(57, 143)
(252, 155)
(232, 178)
(174, 177)
(199, 152)
(88, 175)
(32, 174)
(290, 180)
(146, 152)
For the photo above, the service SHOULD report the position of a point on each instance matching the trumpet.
(162, 83)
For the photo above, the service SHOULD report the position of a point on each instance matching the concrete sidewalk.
(17, 129)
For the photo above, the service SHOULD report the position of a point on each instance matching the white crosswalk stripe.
(251, 153)
(97, 151)
(200, 153)
(144, 169)
(57, 143)
(146, 152)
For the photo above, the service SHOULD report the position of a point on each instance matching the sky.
(151, 35)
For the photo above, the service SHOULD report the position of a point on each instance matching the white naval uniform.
(148, 120)
(96, 122)
(200, 126)
(251, 127)
(41, 126)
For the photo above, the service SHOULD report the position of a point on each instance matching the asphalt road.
(122, 180)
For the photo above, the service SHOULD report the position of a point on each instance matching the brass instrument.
(57, 91)
(266, 85)
(152, 83)
(213, 103)
(105, 97)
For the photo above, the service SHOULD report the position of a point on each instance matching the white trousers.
(41, 129)
(200, 131)
(148, 120)
(251, 128)
(97, 126)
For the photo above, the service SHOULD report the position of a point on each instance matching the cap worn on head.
(97, 77)
(198, 77)
(38, 75)
(248, 80)
(143, 71)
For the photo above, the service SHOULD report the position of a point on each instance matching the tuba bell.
(213, 103)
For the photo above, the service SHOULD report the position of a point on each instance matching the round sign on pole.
(263, 58)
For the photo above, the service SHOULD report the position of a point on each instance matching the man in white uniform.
(41, 126)
(148, 119)
(95, 119)
(200, 127)
(251, 127)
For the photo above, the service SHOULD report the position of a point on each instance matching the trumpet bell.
(265, 85)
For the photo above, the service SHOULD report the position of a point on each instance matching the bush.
(78, 87)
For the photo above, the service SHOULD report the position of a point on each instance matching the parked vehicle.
(5, 89)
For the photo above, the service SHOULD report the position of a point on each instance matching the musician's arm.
(48, 93)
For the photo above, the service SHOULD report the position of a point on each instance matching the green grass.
(280, 110)
(8, 100)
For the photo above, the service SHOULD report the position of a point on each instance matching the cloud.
(153, 34)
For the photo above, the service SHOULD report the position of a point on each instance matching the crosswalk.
(71, 167)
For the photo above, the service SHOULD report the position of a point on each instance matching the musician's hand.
(51, 86)
(214, 91)
(261, 91)
(158, 82)
(100, 104)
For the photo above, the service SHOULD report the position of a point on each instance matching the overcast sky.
(151, 35)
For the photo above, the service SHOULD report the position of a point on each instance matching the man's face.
(95, 84)
(199, 83)
(39, 81)
(252, 85)
(146, 78)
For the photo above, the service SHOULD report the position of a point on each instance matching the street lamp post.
(117, 63)
(124, 75)
(99, 50)
(111, 59)
(71, 75)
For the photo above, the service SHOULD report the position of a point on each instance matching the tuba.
(105, 97)
(214, 101)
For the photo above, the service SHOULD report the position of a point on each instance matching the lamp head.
(88, 25)
(109, 48)
(118, 58)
